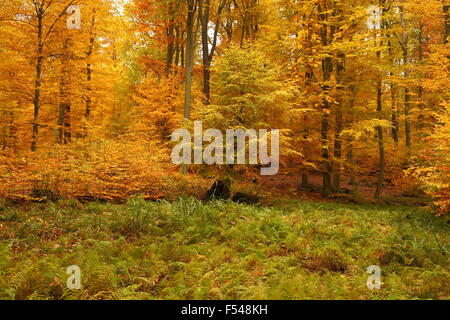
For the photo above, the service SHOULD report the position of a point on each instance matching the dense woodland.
(359, 90)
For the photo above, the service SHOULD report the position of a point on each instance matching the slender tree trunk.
(190, 48)
(394, 114)
(407, 101)
(88, 107)
(204, 19)
(182, 54)
(88, 97)
(327, 69)
(407, 113)
(308, 86)
(170, 39)
(64, 133)
(304, 180)
(381, 151)
(393, 90)
(206, 83)
(336, 183)
(189, 57)
(380, 141)
(420, 87)
(304, 173)
(228, 25)
(177, 46)
(207, 53)
(38, 79)
(350, 157)
(325, 155)
(350, 160)
(446, 9)
(87, 111)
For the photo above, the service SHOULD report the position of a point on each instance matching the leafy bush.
(102, 169)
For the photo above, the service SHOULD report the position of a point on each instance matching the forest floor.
(287, 187)
(188, 249)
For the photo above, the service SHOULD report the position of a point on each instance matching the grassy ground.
(222, 250)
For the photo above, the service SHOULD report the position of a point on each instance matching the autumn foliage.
(358, 89)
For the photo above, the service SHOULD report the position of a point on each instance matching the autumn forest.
(91, 92)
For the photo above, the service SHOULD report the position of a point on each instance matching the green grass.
(222, 250)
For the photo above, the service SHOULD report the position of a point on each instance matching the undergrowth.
(188, 249)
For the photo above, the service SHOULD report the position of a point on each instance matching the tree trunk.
(381, 151)
(189, 57)
(304, 180)
(407, 101)
(190, 48)
(88, 107)
(445, 9)
(304, 173)
(350, 157)
(308, 85)
(420, 88)
(337, 149)
(177, 46)
(394, 108)
(326, 161)
(207, 53)
(64, 133)
(221, 189)
(204, 19)
(380, 141)
(327, 69)
(170, 39)
(88, 97)
(338, 127)
(38, 79)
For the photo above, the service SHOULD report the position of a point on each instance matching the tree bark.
(393, 90)
(38, 77)
(381, 150)
(446, 9)
(407, 100)
(420, 90)
(380, 141)
(170, 38)
(207, 53)
(88, 107)
(350, 157)
(336, 183)
(189, 64)
(177, 46)
(88, 97)
(327, 69)
(204, 19)
(64, 134)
